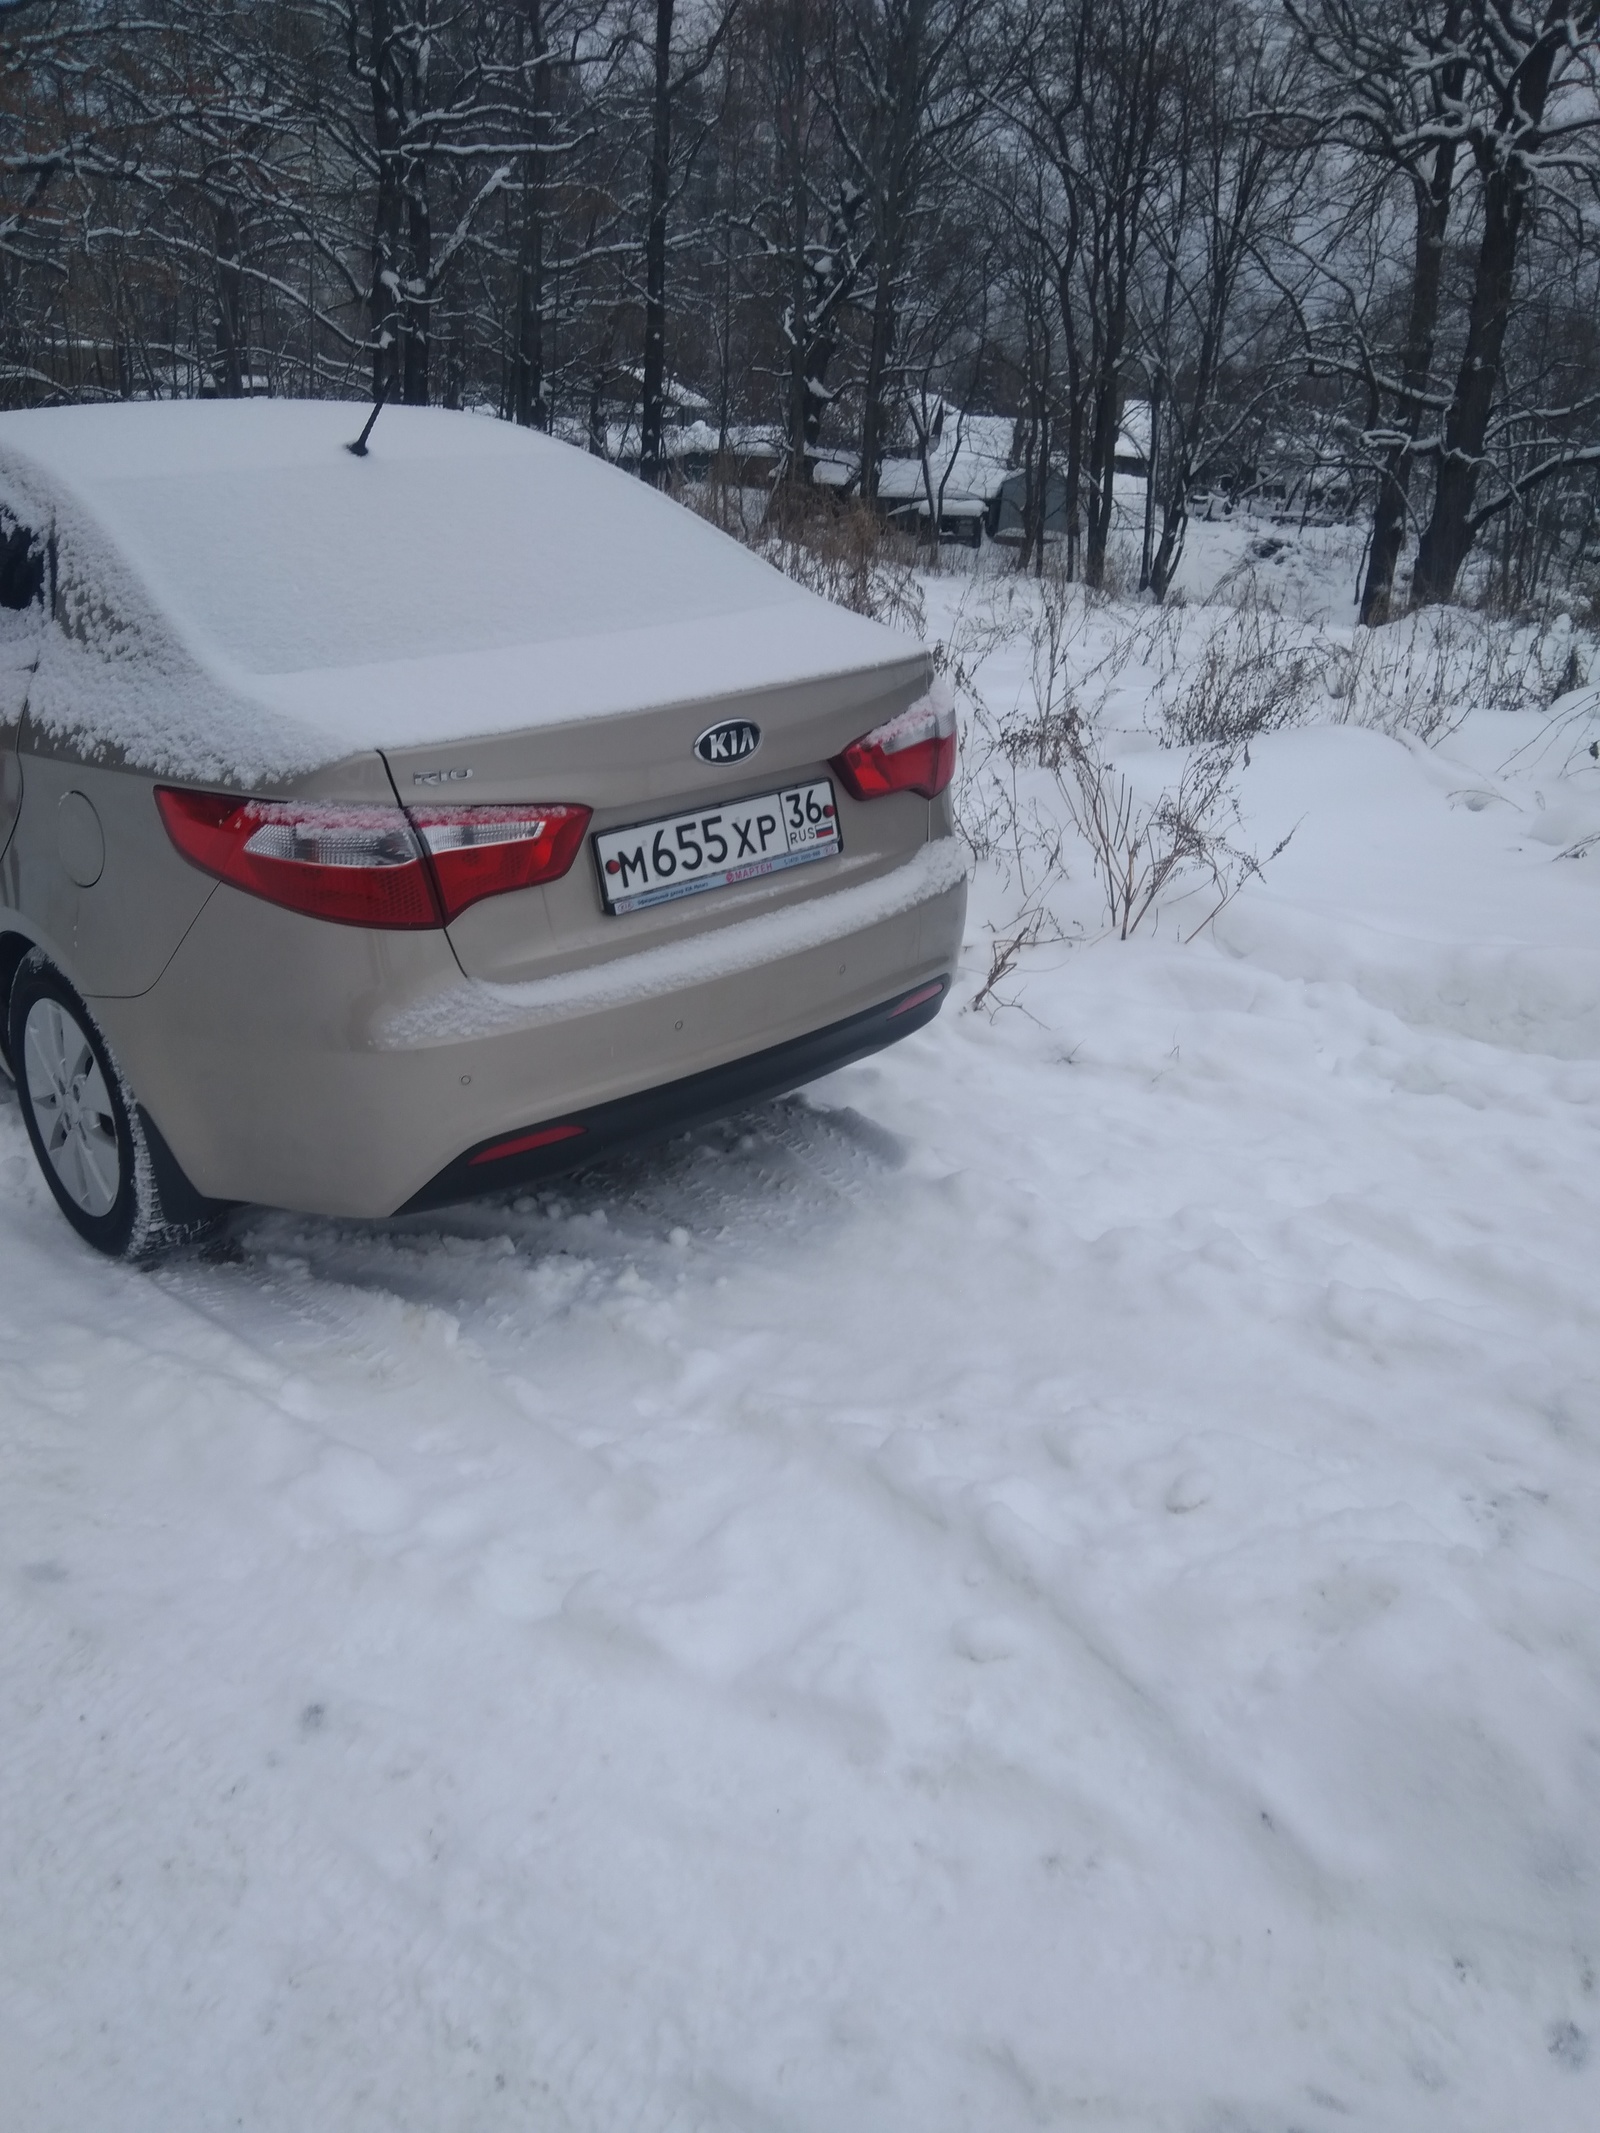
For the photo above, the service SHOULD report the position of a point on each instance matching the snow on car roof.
(465, 578)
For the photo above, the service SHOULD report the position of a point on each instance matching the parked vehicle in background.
(376, 832)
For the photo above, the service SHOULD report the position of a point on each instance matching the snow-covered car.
(378, 831)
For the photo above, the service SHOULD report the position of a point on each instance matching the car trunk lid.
(642, 765)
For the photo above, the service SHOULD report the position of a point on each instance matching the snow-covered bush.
(1040, 782)
(1253, 673)
(1143, 845)
(1421, 675)
(1104, 736)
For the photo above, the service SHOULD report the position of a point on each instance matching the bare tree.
(1532, 129)
(1390, 83)
(1211, 330)
(852, 220)
(1093, 92)
(1483, 114)
(674, 74)
(899, 96)
(810, 218)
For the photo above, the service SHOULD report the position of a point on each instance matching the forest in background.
(1346, 251)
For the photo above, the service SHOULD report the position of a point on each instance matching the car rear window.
(22, 566)
(288, 568)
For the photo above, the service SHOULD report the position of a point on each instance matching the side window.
(22, 566)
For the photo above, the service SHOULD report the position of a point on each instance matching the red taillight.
(484, 851)
(361, 866)
(372, 866)
(915, 752)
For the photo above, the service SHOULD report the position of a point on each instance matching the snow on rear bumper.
(477, 1009)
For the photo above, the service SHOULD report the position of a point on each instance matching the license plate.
(679, 855)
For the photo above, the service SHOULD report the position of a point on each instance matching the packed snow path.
(1054, 1582)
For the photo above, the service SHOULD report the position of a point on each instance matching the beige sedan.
(378, 831)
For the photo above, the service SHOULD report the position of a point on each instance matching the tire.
(112, 1176)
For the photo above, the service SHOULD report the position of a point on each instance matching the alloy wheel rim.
(71, 1107)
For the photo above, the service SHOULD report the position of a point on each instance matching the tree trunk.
(1035, 429)
(1147, 546)
(1391, 507)
(528, 389)
(1072, 503)
(1040, 483)
(792, 121)
(1075, 412)
(418, 306)
(897, 185)
(1507, 184)
(880, 348)
(1448, 534)
(823, 297)
(230, 305)
(652, 424)
(1102, 454)
(932, 499)
(1157, 384)
(1174, 525)
(383, 298)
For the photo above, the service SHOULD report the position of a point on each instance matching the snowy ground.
(1052, 1582)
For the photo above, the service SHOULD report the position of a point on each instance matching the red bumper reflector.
(520, 1143)
(915, 999)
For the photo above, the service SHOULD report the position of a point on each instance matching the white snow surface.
(246, 600)
(1053, 1581)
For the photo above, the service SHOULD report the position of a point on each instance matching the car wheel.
(84, 1125)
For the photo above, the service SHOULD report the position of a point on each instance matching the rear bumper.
(336, 1071)
(555, 1146)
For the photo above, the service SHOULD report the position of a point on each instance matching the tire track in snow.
(399, 1432)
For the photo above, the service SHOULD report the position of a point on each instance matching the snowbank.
(1425, 883)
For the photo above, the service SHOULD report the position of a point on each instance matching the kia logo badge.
(730, 742)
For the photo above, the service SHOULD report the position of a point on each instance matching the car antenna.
(358, 450)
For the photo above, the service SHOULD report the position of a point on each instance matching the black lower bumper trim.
(656, 1114)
